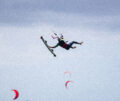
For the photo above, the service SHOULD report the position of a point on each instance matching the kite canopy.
(68, 72)
(16, 94)
(66, 84)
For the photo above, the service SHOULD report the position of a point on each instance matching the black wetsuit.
(63, 44)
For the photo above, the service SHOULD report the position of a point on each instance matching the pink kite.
(68, 72)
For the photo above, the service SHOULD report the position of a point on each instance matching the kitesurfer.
(64, 44)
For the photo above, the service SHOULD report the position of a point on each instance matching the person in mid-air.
(64, 44)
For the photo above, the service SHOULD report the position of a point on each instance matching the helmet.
(61, 37)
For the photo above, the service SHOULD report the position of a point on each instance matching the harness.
(64, 45)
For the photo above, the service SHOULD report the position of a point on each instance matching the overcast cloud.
(27, 65)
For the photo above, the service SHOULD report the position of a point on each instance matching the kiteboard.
(45, 42)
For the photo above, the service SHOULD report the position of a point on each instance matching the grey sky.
(25, 11)
(27, 65)
(77, 6)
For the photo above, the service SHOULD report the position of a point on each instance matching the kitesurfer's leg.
(74, 42)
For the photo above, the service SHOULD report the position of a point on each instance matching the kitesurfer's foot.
(81, 43)
(74, 47)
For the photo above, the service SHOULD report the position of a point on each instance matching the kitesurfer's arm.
(54, 46)
(55, 37)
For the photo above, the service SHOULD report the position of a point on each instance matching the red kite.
(16, 94)
(66, 84)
